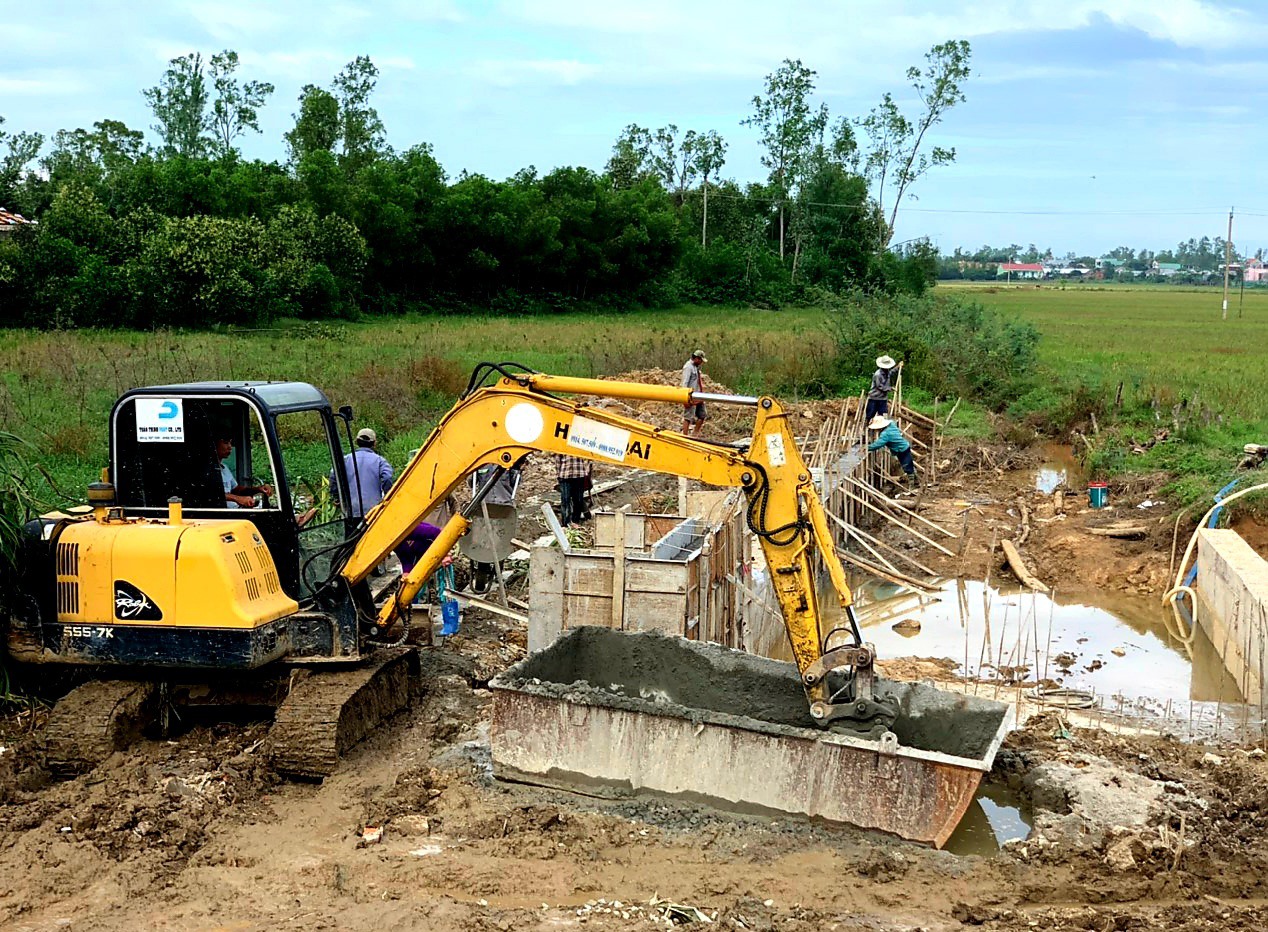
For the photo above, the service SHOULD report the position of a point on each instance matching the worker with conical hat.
(891, 436)
(882, 385)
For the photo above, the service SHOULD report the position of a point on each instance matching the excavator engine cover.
(153, 593)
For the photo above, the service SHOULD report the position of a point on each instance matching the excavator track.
(94, 720)
(329, 711)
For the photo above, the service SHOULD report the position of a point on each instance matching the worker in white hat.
(882, 385)
(891, 436)
(369, 475)
(693, 413)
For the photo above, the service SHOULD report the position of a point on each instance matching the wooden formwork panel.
(691, 596)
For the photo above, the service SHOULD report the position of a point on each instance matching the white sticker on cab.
(160, 420)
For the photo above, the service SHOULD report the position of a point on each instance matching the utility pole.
(1228, 248)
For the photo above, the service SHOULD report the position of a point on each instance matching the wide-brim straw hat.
(880, 422)
(885, 362)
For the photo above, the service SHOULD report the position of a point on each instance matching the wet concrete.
(632, 713)
(670, 676)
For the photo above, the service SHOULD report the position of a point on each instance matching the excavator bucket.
(609, 713)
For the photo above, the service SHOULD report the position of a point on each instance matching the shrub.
(946, 344)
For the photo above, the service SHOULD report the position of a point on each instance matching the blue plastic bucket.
(450, 615)
(1097, 494)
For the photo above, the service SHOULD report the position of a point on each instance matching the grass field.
(1163, 342)
(1182, 368)
(400, 374)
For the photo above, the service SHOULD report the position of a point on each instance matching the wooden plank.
(475, 601)
(546, 597)
(618, 571)
(654, 611)
(587, 610)
(555, 527)
(635, 530)
(1019, 568)
(588, 575)
(655, 576)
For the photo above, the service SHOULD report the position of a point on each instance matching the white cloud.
(533, 71)
(53, 85)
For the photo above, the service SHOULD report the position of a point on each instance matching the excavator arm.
(522, 413)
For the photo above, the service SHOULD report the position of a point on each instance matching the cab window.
(190, 448)
(305, 442)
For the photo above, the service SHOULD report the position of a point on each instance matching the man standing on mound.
(882, 385)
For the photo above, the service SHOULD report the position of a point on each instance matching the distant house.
(1165, 269)
(1073, 271)
(1109, 264)
(1256, 271)
(1019, 270)
(11, 222)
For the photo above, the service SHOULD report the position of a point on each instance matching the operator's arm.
(385, 474)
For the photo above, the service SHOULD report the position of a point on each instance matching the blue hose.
(1214, 520)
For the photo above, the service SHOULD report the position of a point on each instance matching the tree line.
(177, 229)
(1197, 255)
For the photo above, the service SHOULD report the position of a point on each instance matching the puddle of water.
(1060, 469)
(1048, 479)
(996, 816)
(1109, 643)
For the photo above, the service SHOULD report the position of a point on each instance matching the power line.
(1163, 211)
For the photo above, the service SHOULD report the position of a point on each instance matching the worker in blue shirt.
(890, 436)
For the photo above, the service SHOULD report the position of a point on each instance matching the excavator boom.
(521, 413)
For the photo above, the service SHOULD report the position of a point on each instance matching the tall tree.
(631, 157)
(788, 127)
(895, 158)
(179, 102)
(316, 126)
(360, 127)
(708, 151)
(673, 160)
(237, 105)
(20, 150)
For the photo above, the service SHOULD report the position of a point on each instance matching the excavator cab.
(281, 437)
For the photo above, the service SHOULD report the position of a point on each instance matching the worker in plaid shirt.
(573, 474)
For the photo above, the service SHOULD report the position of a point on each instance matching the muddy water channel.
(1109, 644)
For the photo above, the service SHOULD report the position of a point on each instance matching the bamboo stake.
(923, 520)
(889, 517)
(849, 528)
(868, 547)
(897, 578)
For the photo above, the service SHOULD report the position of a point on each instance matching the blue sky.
(1089, 123)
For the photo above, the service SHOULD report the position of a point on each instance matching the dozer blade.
(94, 720)
(329, 711)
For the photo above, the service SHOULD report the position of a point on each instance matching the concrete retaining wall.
(1233, 582)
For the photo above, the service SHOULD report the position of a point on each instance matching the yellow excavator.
(178, 594)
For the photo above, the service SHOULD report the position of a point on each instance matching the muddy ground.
(196, 833)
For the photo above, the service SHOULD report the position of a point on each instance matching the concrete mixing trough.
(611, 713)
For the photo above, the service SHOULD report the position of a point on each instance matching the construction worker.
(882, 386)
(693, 415)
(890, 436)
